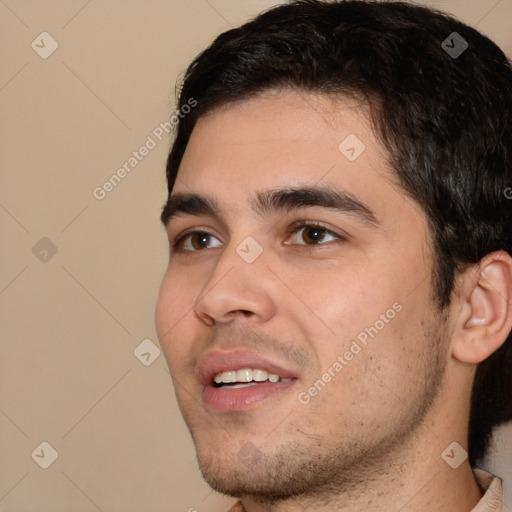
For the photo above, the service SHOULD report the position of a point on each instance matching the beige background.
(70, 323)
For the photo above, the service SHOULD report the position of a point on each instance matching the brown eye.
(313, 235)
(199, 240)
(196, 241)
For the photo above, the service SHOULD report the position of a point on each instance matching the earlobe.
(486, 316)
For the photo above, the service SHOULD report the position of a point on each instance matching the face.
(296, 258)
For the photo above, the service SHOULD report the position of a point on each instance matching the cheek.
(379, 378)
(367, 316)
(177, 295)
(344, 298)
(174, 305)
(164, 307)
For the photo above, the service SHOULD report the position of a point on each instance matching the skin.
(372, 438)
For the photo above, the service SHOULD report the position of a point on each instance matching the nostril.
(239, 313)
(204, 318)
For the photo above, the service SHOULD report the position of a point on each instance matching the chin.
(286, 473)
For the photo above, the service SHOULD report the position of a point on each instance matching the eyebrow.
(275, 200)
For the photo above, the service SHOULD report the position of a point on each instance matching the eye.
(196, 241)
(313, 234)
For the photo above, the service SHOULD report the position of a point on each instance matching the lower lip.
(227, 399)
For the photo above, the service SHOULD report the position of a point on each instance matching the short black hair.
(440, 98)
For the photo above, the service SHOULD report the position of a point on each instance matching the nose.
(237, 288)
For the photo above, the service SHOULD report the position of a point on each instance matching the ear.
(485, 317)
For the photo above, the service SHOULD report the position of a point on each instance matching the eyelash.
(177, 244)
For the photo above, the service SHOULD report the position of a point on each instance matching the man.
(336, 312)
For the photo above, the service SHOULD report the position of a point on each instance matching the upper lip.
(218, 361)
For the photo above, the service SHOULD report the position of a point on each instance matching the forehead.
(287, 139)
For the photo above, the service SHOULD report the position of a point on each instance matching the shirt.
(490, 485)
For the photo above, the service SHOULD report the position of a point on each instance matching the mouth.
(246, 377)
(237, 381)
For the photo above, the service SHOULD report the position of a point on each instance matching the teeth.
(228, 377)
(259, 375)
(246, 375)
